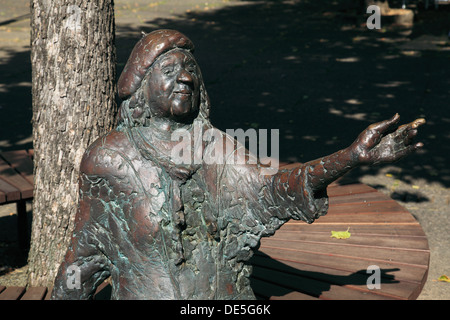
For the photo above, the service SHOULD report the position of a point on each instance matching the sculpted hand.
(382, 143)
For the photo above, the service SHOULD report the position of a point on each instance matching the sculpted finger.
(413, 125)
(418, 122)
(407, 132)
(408, 150)
(410, 136)
(404, 135)
(415, 147)
(385, 125)
(418, 145)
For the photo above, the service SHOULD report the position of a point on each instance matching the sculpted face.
(173, 87)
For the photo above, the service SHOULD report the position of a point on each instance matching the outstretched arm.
(380, 143)
(307, 183)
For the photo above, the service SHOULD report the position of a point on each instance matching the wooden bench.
(303, 261)
(16, 186)
(20, 293)
(43, 293)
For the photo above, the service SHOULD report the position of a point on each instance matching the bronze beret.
(144, 53)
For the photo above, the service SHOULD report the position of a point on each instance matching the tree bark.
(73, 88)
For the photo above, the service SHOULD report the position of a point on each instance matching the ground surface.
(308, 68)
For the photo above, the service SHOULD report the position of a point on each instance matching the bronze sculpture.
(165, 229)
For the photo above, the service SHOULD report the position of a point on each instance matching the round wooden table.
(303, 261)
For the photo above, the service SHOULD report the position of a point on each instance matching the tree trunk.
(73, 88)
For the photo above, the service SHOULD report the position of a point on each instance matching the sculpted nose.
(185, 77)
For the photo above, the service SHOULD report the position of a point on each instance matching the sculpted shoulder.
(105, 155)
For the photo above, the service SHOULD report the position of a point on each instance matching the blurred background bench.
(16, 186)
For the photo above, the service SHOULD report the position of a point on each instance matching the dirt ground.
(311, 69)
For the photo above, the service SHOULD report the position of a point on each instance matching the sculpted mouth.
(184, 92)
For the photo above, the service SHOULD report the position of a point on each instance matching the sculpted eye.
(191, 68)
(167, 70)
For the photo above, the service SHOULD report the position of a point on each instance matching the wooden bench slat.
(103, 291)
(355, 241)
(11, 193)
(10, 176)
(381, 253)
(34, 293)
(359, 198)
(367, 218)
(12, 293)
(49, 293)
(21, 161)
(404, 272)
(351, 189)
(372, 207)
(408, 230)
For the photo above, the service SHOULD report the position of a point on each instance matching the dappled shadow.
(312, 70)
(15, 100)
(431, 21)
(407, 196)
(12, 256)
(15, 19)
(315, 72)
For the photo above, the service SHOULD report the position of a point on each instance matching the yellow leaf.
(415, 187)
(341, 234)
(444, 278)
(389, 175)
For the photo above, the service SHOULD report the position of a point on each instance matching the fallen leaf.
(341, 234)
(444, 278)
